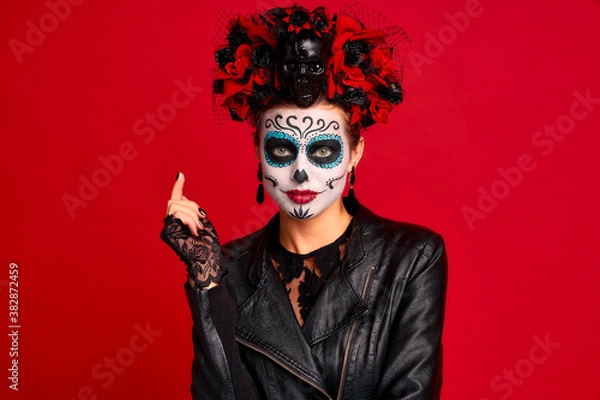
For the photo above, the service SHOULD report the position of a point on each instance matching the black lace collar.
(304, 275)
(327, 258)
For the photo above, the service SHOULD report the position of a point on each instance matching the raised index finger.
(177, 192)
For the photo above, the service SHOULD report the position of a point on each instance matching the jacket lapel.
(339, 302)
(267, 320)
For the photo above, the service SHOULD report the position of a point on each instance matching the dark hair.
(353, 130)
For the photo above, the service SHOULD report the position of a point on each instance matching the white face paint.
(305, 155)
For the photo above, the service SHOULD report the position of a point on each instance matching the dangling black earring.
(351, 195)
(260, 193)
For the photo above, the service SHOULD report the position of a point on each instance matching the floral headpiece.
(297, 19)
(357, 72)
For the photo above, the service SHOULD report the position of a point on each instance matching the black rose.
(355, 96)
(263, 56)
(236, 37)
(261, 92)
(276, 14)
(274, 20)
(224, 56)
(320, 20)
(353, 59)
(354, 51)
(393, 93)
(299, 18)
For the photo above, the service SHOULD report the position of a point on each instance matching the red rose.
(381, 59)
(353, 76)
(231, 87)
(256, 32)
(261, 75)
(358, 112)
(379, 108)
(345, 25)
(374, 36)
(347, 30)
(239, 102)
(243, 60)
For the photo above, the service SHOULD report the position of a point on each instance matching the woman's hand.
(191, 235)
(186, 210)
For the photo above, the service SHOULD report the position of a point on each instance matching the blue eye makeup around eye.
(332, 145)
(280, 149)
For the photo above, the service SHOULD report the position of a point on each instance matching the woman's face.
(305, 155)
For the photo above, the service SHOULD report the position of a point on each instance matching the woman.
(328, 300)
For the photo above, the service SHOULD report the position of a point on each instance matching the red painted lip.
(301, 196)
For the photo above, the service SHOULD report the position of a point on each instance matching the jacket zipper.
(255, 348)
(351, 336)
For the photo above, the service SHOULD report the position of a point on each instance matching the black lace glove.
(201, 254)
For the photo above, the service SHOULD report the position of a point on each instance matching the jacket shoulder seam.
(398, 241)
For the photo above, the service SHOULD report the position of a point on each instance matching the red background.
(527, 270)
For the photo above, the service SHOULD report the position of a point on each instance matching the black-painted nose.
(300, 176)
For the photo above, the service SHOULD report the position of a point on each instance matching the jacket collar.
(356, 251)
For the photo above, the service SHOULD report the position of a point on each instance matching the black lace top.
(304, 275)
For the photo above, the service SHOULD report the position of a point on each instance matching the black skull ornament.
(303, 69)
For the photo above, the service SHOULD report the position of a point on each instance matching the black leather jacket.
(374, 332)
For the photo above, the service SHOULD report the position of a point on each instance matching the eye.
(322, 152)
(290, 66)
(325, 151)
(316, 67)
(280, 149)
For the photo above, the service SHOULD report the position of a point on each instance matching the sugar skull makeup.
(305, 156)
